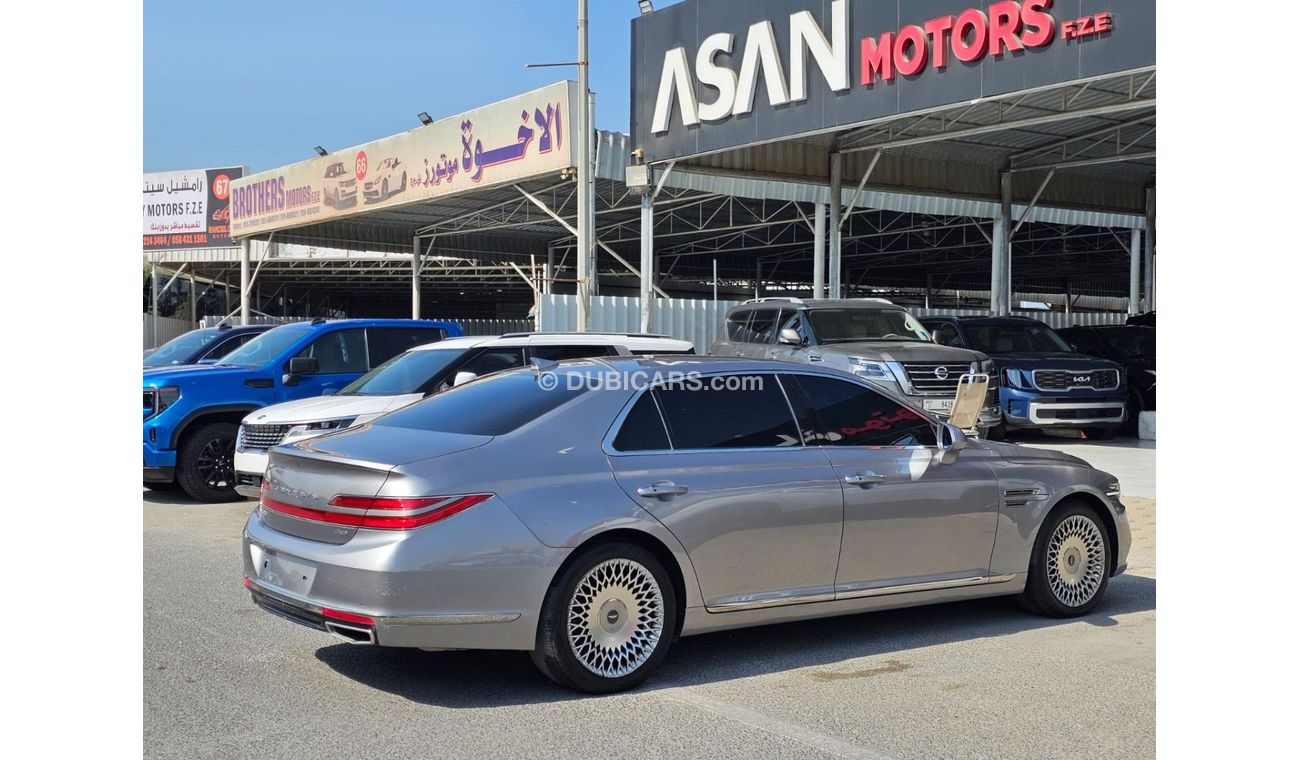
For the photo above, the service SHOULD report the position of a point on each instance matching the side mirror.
(299, 366)
(462, 378)
(954, 440)
(789, 337)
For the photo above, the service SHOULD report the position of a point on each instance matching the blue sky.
(260, 83)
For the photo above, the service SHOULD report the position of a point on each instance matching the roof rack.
(593, 332)
(783, 299)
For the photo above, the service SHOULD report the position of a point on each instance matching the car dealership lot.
(973, 679)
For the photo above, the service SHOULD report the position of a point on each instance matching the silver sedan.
(593, 512)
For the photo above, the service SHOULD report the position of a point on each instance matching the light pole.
(586, 229)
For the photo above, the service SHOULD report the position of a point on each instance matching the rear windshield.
(492, 405)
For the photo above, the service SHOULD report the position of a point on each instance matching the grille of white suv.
(261, 436)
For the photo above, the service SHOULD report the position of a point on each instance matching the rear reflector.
(347, 617)
(249, 584)
(453, 505)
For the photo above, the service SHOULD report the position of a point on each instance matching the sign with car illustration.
(507, 141)
(188, 209)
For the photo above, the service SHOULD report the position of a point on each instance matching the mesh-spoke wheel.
(616, 617)
(1076, 560)
(608, 619)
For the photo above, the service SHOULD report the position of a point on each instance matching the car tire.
(1069, 568)
(607, 621)
(998, 432)
(205, 463)
(1135, 408)
(1099, 433)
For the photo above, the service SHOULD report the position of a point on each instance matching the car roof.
(993, 321)
(818, 303)
(631, 341)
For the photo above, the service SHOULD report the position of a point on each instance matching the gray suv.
(871, 337)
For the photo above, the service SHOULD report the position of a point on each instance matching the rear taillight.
(381, 511)
(347, 617)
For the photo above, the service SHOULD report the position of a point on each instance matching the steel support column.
(837, 192)
(153, 308)
(1134, 271)
(819, 250)
(1000, 283)
(647, 260)
(1149, 254)
(415, 278)
(245, 312)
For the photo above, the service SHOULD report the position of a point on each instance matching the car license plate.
(289, 573)
(942, 405)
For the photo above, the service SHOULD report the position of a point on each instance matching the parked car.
(203, 346)
(386, 179)
(593, 520)
(419, 372)
(870, 337)
(339, 186)
(192, 413)
(1132, 346)
(1147, 319)
(1045, 382)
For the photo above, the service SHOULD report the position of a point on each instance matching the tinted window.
(1031, 337)
(493, 360)
(267, 346)
(853, 415)
(736, 331)
(410, 372)
(945, 334)
(643, 428)
(178, 350)
(763, 325)
(560, 353)
(491, 406)
(752, 412)
(339, 351)
(387, 342)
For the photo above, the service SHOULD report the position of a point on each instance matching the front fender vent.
(1019, 497)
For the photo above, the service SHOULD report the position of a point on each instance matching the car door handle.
(662, 489)
(864, 479)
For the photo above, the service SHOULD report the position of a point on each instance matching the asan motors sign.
(711, 75)
(188, 209)
(524, 136)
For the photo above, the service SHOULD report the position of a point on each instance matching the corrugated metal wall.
(698, 320)
(168, 328)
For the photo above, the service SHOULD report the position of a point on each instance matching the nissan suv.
(872, 338)
(192, 413)
(416, 374)
(1045, 382)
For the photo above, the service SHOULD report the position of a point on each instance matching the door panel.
(759, 526)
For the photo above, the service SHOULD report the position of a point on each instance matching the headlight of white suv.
(310, 429)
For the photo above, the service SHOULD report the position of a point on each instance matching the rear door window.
(387, 342)
(727, 411)
(852, 415)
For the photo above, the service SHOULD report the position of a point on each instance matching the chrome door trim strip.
(450, 619)
(906, 588)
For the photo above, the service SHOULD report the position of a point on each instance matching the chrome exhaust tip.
(351, 634)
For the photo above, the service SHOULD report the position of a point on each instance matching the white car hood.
(321, 408)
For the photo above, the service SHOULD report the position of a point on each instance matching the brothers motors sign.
(710, 75)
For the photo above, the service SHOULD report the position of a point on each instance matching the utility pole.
(586, 230)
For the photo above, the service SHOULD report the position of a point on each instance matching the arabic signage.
(709, 75)
(514, 139)
(188, 209)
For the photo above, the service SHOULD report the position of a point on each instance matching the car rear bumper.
(473, 581)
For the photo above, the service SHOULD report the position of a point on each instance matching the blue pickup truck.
(1045, 382)
(192, 413)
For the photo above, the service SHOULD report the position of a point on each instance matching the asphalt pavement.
(979, 679)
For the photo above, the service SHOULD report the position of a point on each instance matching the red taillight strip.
(389, 522)
(248, 583)
(347, 617)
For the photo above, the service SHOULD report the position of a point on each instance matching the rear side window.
(492, 406)
(736, 327)
(387, 342)
(560, 353)
(643, 428)
(852, 415)
(763, 326)
(740, 411)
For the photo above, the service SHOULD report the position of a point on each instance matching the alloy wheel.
(216, 463)
(615, 618)
(1076, 561)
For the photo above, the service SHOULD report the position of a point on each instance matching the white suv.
(406, 378)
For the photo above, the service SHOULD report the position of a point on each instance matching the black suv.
(1134, 346)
